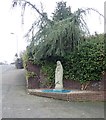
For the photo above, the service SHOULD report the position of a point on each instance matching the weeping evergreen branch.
(24, 3)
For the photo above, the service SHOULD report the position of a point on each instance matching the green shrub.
(87, 63)
(30, 74)
(48, 70)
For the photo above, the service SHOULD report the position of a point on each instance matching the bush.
(87, 63)
(30, 74)
(48, 70)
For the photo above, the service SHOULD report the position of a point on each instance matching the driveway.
(16, 103)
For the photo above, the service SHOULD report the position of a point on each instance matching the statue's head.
(58, 63)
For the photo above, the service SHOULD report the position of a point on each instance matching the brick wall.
(76, 96)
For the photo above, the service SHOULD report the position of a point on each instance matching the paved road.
(3, 69)
(16, 103)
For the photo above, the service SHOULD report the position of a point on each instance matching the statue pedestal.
(59, 86)
(57, 90)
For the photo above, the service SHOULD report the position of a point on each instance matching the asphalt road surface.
(16, 103)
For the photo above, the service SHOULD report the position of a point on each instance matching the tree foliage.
(62, 11)
(59, 35)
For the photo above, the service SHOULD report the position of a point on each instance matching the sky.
(12, 31)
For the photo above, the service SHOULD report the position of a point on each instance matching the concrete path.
(16, 103)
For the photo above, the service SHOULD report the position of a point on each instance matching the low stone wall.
(71, 96)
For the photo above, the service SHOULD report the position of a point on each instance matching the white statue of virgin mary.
(59, 76)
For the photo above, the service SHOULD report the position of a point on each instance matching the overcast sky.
(10, 22)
